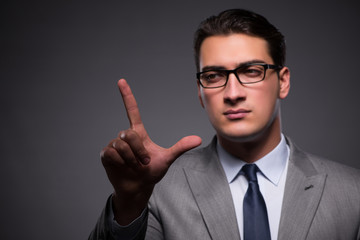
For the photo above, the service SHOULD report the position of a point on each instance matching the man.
(251, 182)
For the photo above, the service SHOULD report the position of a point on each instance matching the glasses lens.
(213, 79)
(251, 73)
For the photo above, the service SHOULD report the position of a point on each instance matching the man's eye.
(253, 72)
(213, 76)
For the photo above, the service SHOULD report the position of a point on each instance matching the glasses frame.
(264, 65)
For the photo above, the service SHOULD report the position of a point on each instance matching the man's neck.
(252, 150)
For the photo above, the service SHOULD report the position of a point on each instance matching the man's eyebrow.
(209, 68)
(251, 62)
(215, 67)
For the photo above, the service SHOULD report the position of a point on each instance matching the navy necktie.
(256, 223)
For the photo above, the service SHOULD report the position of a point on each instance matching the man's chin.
(241, 138)
(249, 132)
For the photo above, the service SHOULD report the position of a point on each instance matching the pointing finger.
(131, 107)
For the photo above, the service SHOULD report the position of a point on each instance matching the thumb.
(184, 145)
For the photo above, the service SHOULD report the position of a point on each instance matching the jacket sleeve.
(104, 229)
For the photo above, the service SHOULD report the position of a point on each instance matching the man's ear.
(199, 95)
(284, 82)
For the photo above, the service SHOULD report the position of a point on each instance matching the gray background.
(60, 62)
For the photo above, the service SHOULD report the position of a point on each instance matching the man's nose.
(234, 89)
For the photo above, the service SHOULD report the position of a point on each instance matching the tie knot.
(250, 172)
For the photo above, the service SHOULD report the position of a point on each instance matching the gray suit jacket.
(193, 201)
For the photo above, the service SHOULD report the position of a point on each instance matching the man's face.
(241, 112)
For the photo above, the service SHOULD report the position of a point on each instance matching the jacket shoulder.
(334, 169)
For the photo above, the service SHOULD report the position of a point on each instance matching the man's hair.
(241, 21)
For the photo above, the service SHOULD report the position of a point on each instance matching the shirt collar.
(271, 165)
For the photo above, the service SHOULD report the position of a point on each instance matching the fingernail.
(122, 135)
(146, 161)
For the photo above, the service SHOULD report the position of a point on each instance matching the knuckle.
(124, 151)
(128, 135)
(122, 134)
(120, 145)
(108, 156)
(106, 152)
(131, 135)
(142, 153)
(110, 144)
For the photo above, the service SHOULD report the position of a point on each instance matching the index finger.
(131, 107)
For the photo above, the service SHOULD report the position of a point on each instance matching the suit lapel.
(303, 192)
(213, 197)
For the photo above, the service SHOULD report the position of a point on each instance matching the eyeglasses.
(246, 74)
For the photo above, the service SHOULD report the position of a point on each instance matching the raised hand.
(134, 163)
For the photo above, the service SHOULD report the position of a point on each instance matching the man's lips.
(236, 114)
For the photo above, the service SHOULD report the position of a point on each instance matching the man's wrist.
(127, 209)
(130, 230)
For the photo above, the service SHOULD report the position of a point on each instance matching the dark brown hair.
(246, 22)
